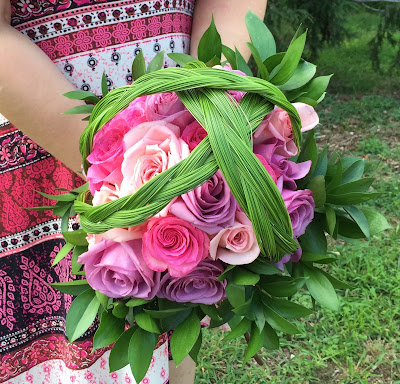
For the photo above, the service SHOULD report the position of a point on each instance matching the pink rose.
(174, 244)
(274, 175)
(106, 156)
(107, 152)
(167, 107)
(300, 205)
(210, 207)
(118, 270)
(150, 149)
(193, 134)
(308, 116)
(236, 245)
(237, 95)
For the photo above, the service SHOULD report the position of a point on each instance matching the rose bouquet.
(203, 199)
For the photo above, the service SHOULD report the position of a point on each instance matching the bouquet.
(206, 196)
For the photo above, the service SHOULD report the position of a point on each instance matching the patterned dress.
(84, 38)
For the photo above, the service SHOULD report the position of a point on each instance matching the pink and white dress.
(84, 38)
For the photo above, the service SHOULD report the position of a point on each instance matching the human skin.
(40, 93)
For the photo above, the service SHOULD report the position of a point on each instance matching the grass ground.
(361, 343)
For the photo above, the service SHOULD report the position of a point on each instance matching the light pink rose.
(118, 270)
(150, 149)
(193, 134)
(236, 245)
(277, 128)
(173, 243)
(167, 107)
(109, 193)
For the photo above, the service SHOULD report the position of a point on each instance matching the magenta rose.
(300, 205)
(210, 207)
(236, 245)
(174, 244)
(167, 107)
(118, 270)
(193, 134)
(150, 149)
(199, 286)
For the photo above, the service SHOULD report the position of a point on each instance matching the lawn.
(361, 342)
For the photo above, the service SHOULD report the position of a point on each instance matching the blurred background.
(359, 42)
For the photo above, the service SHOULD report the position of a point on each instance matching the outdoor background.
(359, 44)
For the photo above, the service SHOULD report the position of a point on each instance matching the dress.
(83, 38)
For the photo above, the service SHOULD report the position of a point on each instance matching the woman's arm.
(229, 18)
(31, 89)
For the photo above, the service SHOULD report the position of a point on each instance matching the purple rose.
(289, 170)
(300, 205)
(119, 270)
(199, 286)
(295, 257)
(210, 207)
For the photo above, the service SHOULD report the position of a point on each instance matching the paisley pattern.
(84, 39)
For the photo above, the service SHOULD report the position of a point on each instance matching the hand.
(5, 12)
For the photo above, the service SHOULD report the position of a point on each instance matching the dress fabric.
(84, 38)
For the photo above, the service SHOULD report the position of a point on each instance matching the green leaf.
(74, 288)
(308, 152)
(263, 268)
(230, 56)
(310, 257)
(376, 221)
(61, 197)
(210, 44)
(163, 313)
(287, 308)
(109, 331)
(211, 311)
(194, 352)
(172, 322)
(138, 66)
(361, 185)
(239, 330)
(314, 239)
(260, 36)
(103, 299)
(321, 288)
(263, 71)
(104, 86)
(330, 216)
(322, 163)
(314, 90)
(286, 68)
(354, 172)
(141, 347)
(82, 95)
(241, 64)
(271, 339)
(77, 237)
(81, 314)
(304, 72)
(184, 337)
(317, 186)
(351, 198)
(80, 109)
(236, 294)
(146, 322)
(284, 288)
(119, 353)
(255, 344)
(62, 253)
(136, 302)
(213, 61)
(226, 272)
(156, 63)
(75, 266)
(278, 322)
(120, 310)
(181, 58)
(337, 284)
(241, 276)
(358, 216)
